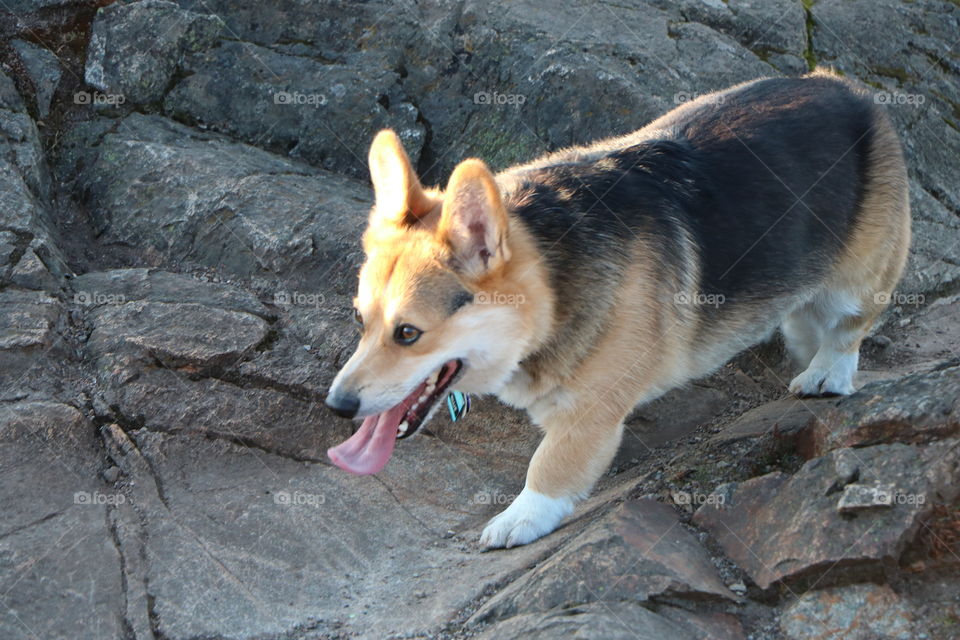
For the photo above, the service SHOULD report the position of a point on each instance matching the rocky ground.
(182, 189)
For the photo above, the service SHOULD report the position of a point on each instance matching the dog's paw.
(834, 380)
(530, 516)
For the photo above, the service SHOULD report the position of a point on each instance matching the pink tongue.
(368, 450)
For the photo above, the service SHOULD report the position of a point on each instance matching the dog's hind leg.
(801, 334)
(840, 321)
(863, 279)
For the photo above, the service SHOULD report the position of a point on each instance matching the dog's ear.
(399, 195)
(473, 222)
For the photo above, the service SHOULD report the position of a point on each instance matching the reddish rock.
(780, 528)
(706, 625)
(785, 419)
(918, 408)
(856, 612)
(637, 552)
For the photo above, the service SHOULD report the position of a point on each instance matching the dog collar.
(458, 403)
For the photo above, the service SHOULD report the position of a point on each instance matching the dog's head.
(438, 303)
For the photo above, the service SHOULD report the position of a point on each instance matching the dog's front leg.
(576, 449)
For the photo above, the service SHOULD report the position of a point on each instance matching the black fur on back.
(767, 181)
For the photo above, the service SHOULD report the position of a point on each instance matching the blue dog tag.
(458, 403)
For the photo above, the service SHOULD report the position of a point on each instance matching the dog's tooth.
(402, 428)
(432, 380)
(430, 388)
(423, 398)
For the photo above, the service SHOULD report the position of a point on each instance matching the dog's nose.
(345, 406)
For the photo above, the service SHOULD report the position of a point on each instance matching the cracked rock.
(321, 113)
(856, 612)
(136, 48)
(639, 552)
(54, 527)
(859, 497)
(918, 408)
(780, 528)
(158, 186)
(177, 334)
(44, 69)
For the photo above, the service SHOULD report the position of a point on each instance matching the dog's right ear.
(399, 195)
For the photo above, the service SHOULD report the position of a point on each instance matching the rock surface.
(182, 191)
(782, 528)
(918, 408)
(858, 612)
(135, 49)
(639, 552)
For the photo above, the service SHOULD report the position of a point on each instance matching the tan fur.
(421, 248)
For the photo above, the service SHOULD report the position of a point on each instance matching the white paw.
(530, 516)
(835, 378)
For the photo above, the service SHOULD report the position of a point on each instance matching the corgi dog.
(599, 277)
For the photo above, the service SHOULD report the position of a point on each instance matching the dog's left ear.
(400, 196)
(473, 222)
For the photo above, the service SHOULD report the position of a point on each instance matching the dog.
(598, 277)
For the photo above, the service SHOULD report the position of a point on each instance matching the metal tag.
(458, 403)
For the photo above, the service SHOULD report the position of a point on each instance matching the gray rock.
(136, 48)
(55, 527)
(860, 497)
(160, 187)
(44, 69)
(325, 114)
(176, 334)
(271, 547)
(10, 99)
(596, 621)
(766, 28)
(856, 612)
(31, 273)
(118, 286)
(563, 60)
(28, 319)
(34, 259)
(912, 71)
(22, 151)
(21, 7)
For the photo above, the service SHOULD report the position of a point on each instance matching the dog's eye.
(358, 318)
(406, 334)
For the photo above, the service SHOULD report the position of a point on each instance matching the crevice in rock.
(38, 521)
(111, 515)
(137, 423)
(808, 53)
(406, 510)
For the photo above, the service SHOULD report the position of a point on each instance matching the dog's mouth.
(368, 450)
